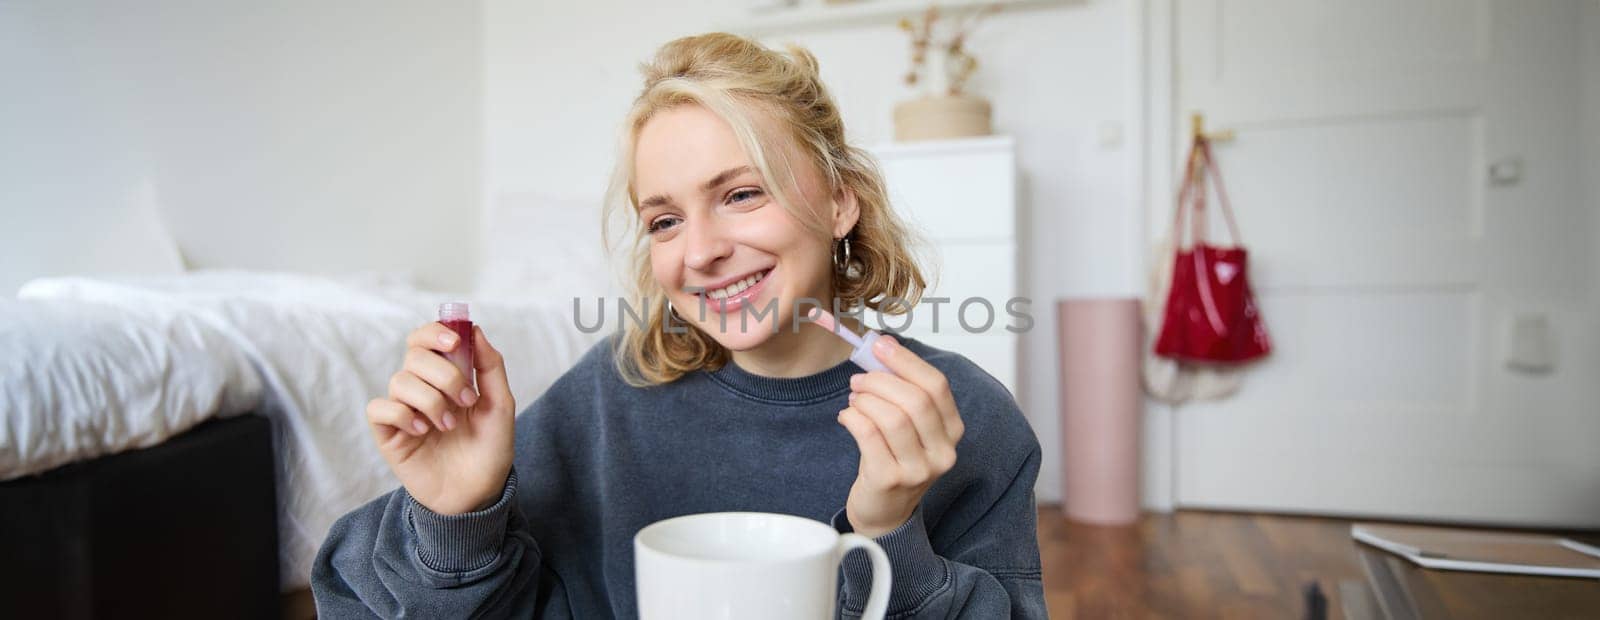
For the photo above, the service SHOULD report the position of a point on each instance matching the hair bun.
(805, 59)
(699, 56)
(719, 54)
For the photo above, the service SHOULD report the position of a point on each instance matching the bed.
(111, 375)
(183, 529)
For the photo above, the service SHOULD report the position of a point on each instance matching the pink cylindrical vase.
(1099, 345)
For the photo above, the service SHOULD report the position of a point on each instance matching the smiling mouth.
(734, 295)
(738, 286)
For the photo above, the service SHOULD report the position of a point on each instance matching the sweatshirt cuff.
(917, 572)
(464, 542)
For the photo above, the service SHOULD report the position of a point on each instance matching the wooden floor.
(1195, 564)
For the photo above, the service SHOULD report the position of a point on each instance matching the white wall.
(309, 136)
(560, 75)
(1589, 109)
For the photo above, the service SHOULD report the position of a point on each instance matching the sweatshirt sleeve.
(994, 573)
(393, 557)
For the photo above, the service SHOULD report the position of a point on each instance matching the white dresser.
(961, 196)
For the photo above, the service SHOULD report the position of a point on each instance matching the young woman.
(748, 202)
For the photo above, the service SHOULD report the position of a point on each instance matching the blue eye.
(662, 223)
(744, 195)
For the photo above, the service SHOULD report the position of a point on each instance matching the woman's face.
(732, 261)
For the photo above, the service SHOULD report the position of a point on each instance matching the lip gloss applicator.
(862, 355)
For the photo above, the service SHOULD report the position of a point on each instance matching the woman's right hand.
(450, 446)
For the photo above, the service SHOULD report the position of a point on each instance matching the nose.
(705, 244)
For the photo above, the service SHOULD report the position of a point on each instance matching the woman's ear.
(846, 212)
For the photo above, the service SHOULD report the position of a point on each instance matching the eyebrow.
(722, 177)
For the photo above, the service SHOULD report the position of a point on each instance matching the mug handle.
(878, 599)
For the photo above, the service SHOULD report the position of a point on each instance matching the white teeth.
(736, 287)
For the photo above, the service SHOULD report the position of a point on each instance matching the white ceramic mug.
(748, 565)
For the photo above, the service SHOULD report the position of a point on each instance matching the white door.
(1391, 266)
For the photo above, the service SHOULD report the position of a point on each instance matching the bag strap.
(1192, 196)
(1185, 190)
(1222, 190)
(1194, 174)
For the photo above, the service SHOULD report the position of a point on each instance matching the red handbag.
(1211, 315)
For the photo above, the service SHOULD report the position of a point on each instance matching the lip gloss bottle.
(454, 315)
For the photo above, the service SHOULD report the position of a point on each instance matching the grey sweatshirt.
(597, 460)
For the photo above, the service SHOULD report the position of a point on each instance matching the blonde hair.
(737, 78)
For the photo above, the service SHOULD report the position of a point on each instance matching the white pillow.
(85, 227)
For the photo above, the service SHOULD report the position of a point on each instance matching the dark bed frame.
(185, 529)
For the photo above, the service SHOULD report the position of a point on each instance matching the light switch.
(1110, 134)
(1532, 349)
(1507, 171)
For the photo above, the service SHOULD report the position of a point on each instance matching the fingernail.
(468, 397)
(422, 427)
(447, 339)
(852, 398)
(449, 422)
(884, 345)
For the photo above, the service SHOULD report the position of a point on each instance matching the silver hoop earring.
(841, 266)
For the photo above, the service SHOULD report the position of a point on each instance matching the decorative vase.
(934, 118)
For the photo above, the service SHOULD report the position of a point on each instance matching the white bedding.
(81, 379)
(320, 349)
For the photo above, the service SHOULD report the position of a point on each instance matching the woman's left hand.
(906, 426)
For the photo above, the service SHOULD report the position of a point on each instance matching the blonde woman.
(747, 203)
